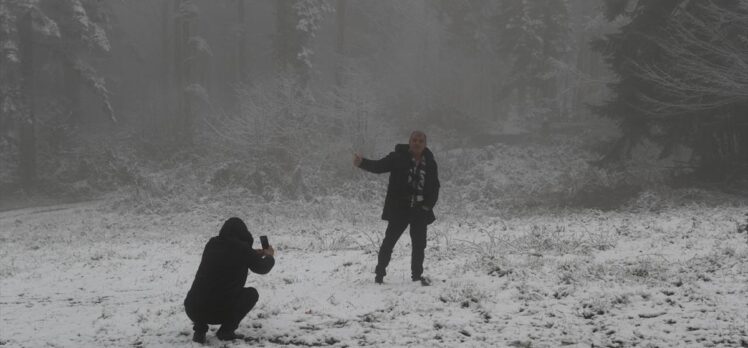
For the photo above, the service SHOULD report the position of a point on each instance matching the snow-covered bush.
(288, 138)
(327, 240)
(498, 177)
(573, 270)
(647, 269)
(85, 169)
(463, 293)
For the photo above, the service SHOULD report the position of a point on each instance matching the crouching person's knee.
(252, 295)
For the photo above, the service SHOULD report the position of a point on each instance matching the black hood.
(234, 228)
(405, 148)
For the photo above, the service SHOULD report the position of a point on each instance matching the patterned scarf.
(416, 177)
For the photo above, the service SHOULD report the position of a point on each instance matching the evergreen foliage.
(43, 41)
(682, 70)
(528, 39)
(297, 22)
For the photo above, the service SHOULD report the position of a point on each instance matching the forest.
(262, 95)
(592, 158)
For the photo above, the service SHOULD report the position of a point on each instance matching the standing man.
(412, 192)
(218, 295)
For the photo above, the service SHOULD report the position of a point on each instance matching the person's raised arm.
(383, 165)
(261, 261)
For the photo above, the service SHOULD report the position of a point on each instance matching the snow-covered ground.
(95, 275)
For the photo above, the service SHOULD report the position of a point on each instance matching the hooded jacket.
(398, 164)
(223, 269)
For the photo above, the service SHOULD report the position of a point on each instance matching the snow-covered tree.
(535, 36)
(682, 70)
(186, 47)
(69, 32)
(527, 40)
(297, 23)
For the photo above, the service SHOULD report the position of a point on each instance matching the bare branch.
(707, 61)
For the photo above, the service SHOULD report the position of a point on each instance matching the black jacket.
(398, 164)
(223, 268)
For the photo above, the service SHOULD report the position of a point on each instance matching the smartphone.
(264, 241)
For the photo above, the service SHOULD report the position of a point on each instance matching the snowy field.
(97, 275)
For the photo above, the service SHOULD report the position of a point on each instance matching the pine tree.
(527, 38)
(536, 36)
(72, 31)
(297, 22)
(682, 72)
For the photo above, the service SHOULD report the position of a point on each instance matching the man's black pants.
(227, 315)
(395, 229)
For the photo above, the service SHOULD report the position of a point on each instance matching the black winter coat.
(223, 268)
(399, 192)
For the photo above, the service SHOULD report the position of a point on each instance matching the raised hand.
(266, 252)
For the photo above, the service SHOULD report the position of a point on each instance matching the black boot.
(228, 336)
(198, 336)
(379, 279)
(424, 280)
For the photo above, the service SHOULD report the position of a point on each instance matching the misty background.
(526, 103)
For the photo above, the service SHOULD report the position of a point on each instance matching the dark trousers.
(227, 315)
(395, 229)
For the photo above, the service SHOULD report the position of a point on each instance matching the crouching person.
(218, 295)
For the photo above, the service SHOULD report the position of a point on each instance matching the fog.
(99, 96)
(583, 181)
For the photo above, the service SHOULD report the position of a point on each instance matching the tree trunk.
(238, 63)
(340, 66)
(179, 43)
(72, 93)
(289, 42)
(27, 126)
(340, 43)
(284, 28)
(521, 91)
(184, 63)
(167, 68)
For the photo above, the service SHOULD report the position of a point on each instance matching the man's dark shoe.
(228, 336)
(424, 280)
(379, 279)
(198, 336)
